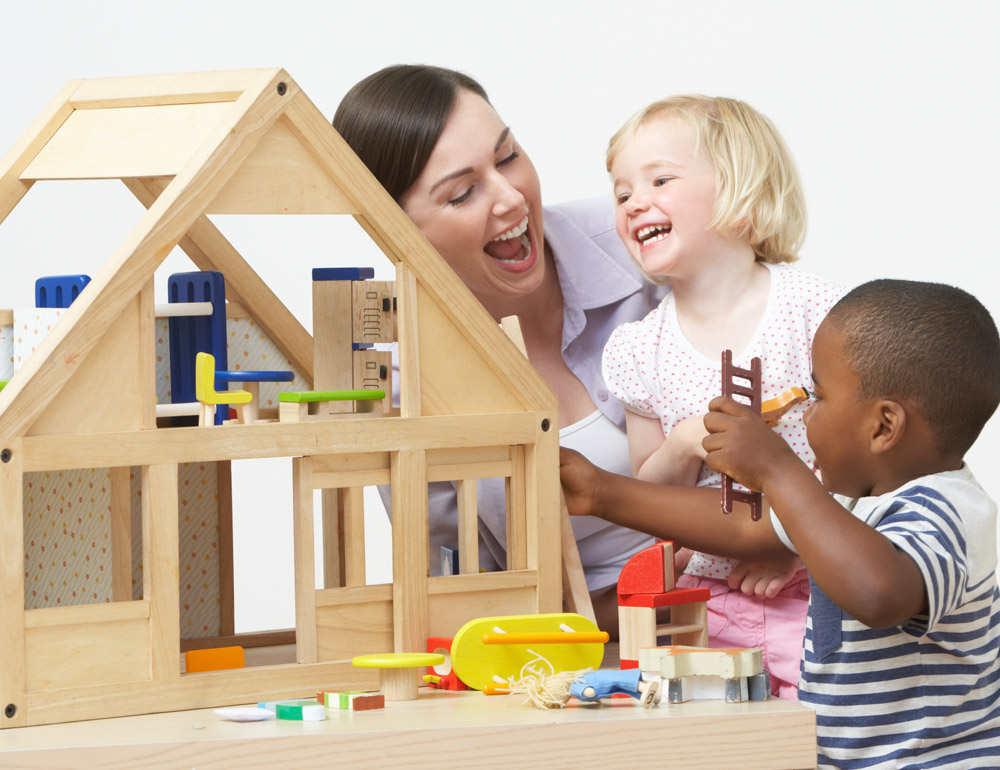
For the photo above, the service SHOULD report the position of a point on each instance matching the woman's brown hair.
(394, 117)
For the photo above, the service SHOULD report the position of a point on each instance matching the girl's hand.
(763, 579)
(741, 445)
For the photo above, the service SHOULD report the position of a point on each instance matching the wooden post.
(13, 709)
(408, 473)
(160, 568)
(305, 560)
(121, 534)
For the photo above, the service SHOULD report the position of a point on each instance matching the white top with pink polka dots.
(650, 366)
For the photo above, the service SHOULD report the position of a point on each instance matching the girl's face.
(665, 194)
(479, 204)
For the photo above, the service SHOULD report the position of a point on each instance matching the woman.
(432, 139)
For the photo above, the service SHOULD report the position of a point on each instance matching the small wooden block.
(214, 659)
(651, 571)
(354, 701)
(373, 311)
(300, 710)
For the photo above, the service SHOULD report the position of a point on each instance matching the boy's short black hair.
(932, 346)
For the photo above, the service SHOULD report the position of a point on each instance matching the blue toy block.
(190, 335)
(59, 291)
(343, 273)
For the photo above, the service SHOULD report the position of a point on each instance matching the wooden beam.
(126, 142)
(177, 88)
(12, 189)
(235, 442)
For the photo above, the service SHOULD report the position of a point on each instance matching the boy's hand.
(741, 445)
(763, 579)
(579, 481)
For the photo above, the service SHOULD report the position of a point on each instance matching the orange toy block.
(214, 659)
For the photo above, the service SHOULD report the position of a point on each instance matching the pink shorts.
(775, 625)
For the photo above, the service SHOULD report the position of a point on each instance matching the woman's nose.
(507, 196)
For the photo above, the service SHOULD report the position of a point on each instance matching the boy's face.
(838, 422)
(665, 196)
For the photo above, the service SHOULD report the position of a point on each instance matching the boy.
(901, 650)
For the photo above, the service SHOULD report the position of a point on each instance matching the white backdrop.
(890, 108)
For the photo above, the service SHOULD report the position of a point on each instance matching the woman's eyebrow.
(468, 170)
(502, 139)
(449, 177)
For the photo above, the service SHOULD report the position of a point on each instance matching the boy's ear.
(889, 423)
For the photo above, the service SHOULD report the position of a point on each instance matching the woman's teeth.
(524, 252)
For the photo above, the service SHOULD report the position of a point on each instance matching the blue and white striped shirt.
(926, 693)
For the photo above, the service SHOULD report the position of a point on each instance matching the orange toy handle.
(495, 689)
(552, 637)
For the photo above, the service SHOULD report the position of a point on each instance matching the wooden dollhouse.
(250, 142)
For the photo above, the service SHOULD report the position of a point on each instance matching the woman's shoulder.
(586, 229)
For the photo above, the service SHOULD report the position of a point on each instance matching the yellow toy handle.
(548, 637)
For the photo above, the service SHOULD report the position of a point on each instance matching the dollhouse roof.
(244, 141)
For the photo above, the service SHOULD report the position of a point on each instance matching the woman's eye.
(461, 198)
(509, 159)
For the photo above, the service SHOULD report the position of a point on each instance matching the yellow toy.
(567, 641)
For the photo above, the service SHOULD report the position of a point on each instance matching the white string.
(545, 688)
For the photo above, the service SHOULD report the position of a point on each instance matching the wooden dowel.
(549, 637)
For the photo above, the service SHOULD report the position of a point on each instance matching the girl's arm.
(673, 459)
(689, 515)
(859, 568)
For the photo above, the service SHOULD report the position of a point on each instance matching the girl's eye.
(660, 181)
(622, 198)
(461, 198)
(509, 159)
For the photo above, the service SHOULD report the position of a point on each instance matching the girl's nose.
(636, 203)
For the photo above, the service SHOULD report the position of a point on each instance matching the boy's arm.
(674, 458)
(860, 569)
(690, 516)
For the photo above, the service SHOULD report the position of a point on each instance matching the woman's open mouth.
(513, 248)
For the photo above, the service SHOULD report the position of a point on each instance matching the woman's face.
(478, 202)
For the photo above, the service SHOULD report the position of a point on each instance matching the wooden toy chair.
(209, 398)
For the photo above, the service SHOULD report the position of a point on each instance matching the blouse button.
(602, 395)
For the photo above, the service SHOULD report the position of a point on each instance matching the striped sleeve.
(926, 527)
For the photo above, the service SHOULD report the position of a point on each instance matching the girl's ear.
(889, 425)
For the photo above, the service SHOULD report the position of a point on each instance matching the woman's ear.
(889, 423)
